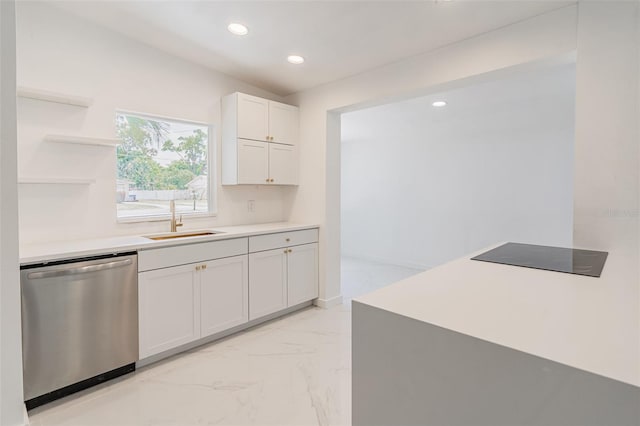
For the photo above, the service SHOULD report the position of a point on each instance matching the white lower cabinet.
(167, 311)
(224, 294)
(193, 291)
(282, 278)
(267, 283)
(302, 273)
(184, 303)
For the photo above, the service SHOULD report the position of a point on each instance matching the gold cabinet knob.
(290, 251)
(288, 239)
(267, 180)
(198, 268)
(285, 250)
(267, 137)
(272, 180)
(204, 266)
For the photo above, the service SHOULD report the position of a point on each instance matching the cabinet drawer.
(190, 253)
(282, 239)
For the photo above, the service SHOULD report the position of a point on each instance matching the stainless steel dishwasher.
(79, 324)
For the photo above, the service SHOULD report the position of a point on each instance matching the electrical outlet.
(251, 206)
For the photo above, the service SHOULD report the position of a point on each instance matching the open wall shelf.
(54, 180)
(60, 98)
(82, 140)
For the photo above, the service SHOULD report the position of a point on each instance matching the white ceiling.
(337, 38)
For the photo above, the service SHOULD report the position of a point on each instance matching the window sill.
(163, 218)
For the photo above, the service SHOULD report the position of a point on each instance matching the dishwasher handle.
(79, 270)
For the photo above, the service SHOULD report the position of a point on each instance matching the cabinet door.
(302, 282)
(283, 164)
(253, 162)
(224, 294)
(253, 117)
(168, 315)
(283, 123)
(267, 283)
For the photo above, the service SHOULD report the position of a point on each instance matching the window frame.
(212, 193)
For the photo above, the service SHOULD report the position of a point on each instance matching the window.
(161, 160)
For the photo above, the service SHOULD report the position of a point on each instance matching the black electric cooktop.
(559, 259)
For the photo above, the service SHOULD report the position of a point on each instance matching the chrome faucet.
(174, 223)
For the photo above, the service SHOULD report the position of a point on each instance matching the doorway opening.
(434, 178)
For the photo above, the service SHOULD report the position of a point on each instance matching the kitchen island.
(477, 343)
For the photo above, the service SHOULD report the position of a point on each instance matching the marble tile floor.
(294, 370)
(360, 276)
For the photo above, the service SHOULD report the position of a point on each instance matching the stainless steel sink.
(186, 234)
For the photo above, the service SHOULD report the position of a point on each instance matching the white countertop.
(588, 323)
(60, 250)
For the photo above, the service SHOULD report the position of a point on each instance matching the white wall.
(607, 138)
(62, 53)
(545, 37)
(608, 141)
(11, 405)
(424, 185)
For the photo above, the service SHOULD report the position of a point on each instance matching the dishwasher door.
(79, 320)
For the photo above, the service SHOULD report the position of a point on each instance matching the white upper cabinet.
(253, 162)
(259, 141)
(283, 164)
(260, 119)
(252, 117)
(283, 123)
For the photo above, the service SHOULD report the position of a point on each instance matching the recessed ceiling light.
(439, 104)
(238, 29)
(295, 59)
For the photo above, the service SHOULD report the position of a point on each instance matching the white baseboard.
(328, 303)
(391, 262)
